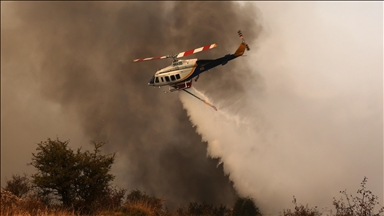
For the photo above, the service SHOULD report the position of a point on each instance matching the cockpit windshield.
(177, 63)
(152, 79)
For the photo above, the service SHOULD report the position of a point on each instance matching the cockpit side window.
(173, 78)
(157, 80)
(177, 76)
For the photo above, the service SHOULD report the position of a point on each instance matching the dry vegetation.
(79, 184)
(138, 203)
(11, 205)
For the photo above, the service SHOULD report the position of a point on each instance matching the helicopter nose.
(151, 82)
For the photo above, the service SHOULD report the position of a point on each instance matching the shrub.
(301, 210)
(19, 185)
(202, 209)
(139, 203)
(245, 207)
(31, 205)
(113, 199)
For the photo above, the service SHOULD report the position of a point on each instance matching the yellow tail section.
(240, 51)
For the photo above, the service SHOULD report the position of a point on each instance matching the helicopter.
(179, 75)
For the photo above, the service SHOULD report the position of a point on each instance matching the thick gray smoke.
(76, 57)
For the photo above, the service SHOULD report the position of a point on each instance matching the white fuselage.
(175, 73)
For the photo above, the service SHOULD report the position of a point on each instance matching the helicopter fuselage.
(183, 71)
(179, 75)
(178, 71)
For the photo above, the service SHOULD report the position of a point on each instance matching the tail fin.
(240, 51)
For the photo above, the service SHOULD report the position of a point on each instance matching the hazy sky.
(300, 115)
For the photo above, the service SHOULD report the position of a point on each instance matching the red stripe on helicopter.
(206, 47)
(182, 54)
(157, 57)
(189, 52)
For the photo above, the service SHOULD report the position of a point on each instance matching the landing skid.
(206, 102)
(179, 86)
(184, 86)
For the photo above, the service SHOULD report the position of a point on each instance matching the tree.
(18, 185)
(78, 179)
(360, 206)
(93, 181)
(245, 207)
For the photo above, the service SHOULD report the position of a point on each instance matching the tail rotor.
(243, 41)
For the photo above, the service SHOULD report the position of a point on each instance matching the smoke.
(67, 71)
(300, 115)
(313, 125)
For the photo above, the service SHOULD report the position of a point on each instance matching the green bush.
(79, 179)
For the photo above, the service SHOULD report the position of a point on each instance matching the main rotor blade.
(151, 58)
(189, 52)
(182, 54)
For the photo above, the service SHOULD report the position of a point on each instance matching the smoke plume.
(314, 124)
(300, 115)
(76, 57)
